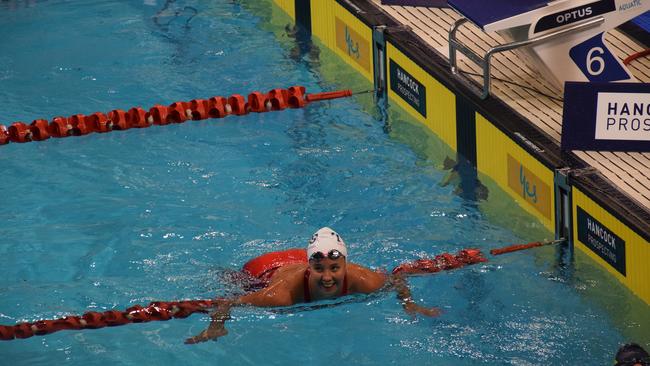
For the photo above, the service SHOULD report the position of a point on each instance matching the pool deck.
(628, 172)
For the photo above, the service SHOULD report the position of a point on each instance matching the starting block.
(563, 39)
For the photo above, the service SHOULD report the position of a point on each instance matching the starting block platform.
(564, 39)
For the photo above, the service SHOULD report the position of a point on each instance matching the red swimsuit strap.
(305, 286)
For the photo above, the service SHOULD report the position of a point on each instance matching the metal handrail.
(484, 60)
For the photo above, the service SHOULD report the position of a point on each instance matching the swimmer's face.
(326, 277)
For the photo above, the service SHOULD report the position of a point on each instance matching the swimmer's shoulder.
(289, 273)
(287, 284)
(363, 279)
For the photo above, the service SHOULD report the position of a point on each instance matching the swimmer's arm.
(398, 283)
(216, 328)
(268, 297)
(273, 295)
(367, 281)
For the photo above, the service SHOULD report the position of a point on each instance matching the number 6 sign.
(596, 62)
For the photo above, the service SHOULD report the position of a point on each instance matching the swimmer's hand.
(214, 331)
(398, 282)
(217, 327)
(413, 309)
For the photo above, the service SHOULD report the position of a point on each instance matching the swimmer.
(632, 354)
(327, 275)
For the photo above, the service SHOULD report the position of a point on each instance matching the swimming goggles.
(634, 361)
(332, 254)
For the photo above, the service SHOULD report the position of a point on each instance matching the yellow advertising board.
(529, 187)
(342, 32)
(353, 44)
(525, 179)
(612, 244)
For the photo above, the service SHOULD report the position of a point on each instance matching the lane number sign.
(596, 62)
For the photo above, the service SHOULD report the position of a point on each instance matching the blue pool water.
(107, 221)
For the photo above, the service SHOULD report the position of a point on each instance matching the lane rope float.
(518, 247)
(165, 310)
(157, 310)
(442, 262)
(177, 112)
(636, 55)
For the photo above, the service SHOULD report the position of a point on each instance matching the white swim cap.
(325, 240)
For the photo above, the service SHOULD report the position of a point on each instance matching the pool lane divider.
(177, 112)
(518, 247)
(165, 310)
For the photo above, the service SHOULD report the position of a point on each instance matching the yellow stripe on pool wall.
(611, 244)
(436, 108)
(527, 180)
(343, 33)
(288, 6)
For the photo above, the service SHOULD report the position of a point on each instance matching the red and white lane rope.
(177, 112)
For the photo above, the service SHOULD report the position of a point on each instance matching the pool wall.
(566, 196)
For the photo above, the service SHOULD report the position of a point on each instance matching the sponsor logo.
(352, 44)
(576, 14)
(623, 116)
(408, 88)
(606, 116)
(630, 5)
(532, 189)
(602, 241)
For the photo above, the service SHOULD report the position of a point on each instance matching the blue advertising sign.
(606, 117)
(596, 62)
(408, 87)
(601, 240)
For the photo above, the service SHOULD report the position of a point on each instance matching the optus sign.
(352, 44)
(532, 189)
